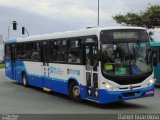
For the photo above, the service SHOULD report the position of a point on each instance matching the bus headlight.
(109, 87)
(151, 82)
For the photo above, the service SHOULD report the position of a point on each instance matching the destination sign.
(125, 35)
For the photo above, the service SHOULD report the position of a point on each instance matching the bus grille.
(129, 94)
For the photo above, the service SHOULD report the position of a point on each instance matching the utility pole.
(98, 14)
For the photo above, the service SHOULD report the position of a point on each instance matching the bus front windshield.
(123, 59)
(125, 52)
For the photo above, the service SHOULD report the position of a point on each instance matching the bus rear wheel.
(74, 91)
(25, 80)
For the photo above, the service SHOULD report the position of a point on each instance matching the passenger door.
(91, 63)
(45, 64)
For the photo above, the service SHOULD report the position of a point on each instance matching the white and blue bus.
(98, 64)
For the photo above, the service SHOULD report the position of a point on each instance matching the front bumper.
(113, 96)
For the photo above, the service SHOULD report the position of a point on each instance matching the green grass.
(2, 66)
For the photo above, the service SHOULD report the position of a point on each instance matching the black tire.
(24, 80)
(74, 91)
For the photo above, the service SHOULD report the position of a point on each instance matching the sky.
(49, 16)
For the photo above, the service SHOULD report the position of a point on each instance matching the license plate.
(149, 92)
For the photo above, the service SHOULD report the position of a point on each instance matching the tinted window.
(59, 50)
(74, 51)
(28, 51)
(35, 51)
(19, 51)
(75, 44)
(7, 52)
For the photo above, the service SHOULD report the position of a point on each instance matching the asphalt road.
(14, 98)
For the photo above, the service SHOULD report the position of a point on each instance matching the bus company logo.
(131, 87)
(71, 71)
(55, 70)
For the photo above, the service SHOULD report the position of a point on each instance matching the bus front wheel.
(74, 91)
(24, 80)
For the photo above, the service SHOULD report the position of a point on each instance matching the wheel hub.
(24, 81)
(76, 91)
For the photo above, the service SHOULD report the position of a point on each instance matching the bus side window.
(19, 51)
(35, 51)
(74, 51)
(7, 52)
(26, 51)
(49, 50)
(59, 50)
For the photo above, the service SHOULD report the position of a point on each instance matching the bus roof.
(83, 32)
(155, 43)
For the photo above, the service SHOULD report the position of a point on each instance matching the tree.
(150, 18)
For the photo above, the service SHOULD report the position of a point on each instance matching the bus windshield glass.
(123, 58)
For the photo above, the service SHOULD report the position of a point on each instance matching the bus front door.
(45, 66)
(91, 62)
